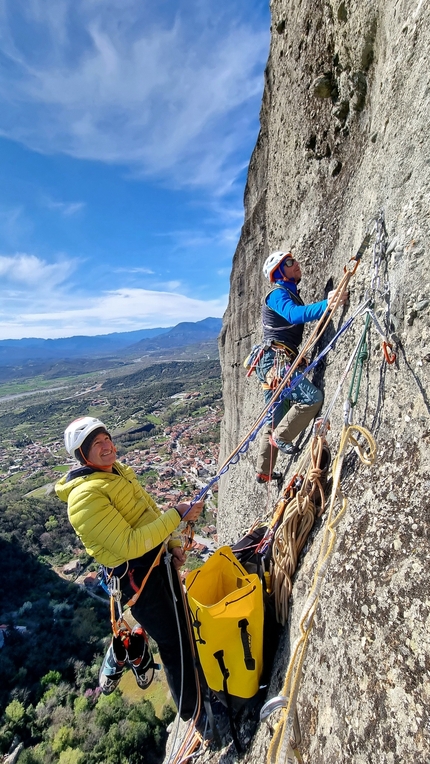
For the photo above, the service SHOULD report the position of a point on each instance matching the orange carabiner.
(346, 269)
(389, 354)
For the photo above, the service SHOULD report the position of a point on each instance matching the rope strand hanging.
(280, 747)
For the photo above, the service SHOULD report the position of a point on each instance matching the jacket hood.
(80, 475)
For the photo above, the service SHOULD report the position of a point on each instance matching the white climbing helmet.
(78, 430)
(273, 261)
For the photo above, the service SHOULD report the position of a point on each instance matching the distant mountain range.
(186, 333)
(16, 352)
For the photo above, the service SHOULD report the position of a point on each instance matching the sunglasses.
(288, 261)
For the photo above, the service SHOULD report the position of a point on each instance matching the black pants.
(155, 611)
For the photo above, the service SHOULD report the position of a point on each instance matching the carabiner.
(347, 270)
(389, 354)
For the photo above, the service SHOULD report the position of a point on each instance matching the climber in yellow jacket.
(122, 528)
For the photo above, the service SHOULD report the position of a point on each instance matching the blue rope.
(284, 394)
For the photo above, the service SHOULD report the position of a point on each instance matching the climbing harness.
(119, 625)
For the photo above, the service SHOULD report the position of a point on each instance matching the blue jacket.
(282, 303)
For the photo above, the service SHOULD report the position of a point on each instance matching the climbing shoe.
(140, 658)
(286, 448)
(261, 478)
(112, 667)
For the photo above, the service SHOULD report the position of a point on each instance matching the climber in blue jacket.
(284, 315)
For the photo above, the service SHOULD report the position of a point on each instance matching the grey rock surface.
(344, 133)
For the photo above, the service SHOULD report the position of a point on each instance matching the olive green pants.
(291, 417)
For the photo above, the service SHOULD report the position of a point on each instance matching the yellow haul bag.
(226, 605)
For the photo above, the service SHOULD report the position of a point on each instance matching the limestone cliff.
(344, 133)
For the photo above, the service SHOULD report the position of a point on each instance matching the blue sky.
(126, 128)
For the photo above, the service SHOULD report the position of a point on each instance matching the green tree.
(62, 739)
(52, 677)
(35, 755)
(81, 705)
(15, 712)
(110, 709)
(85, 624)
(71, 756)
(51, 523)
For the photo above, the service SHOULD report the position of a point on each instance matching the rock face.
(344, 133)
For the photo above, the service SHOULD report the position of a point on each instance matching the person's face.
(291, 269)
(102, 452)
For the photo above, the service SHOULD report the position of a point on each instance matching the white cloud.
(29, 270)
(119, 310)
(119, 82)
(134, 270)
(65, 208)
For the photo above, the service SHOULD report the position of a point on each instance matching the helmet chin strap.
(295, 281)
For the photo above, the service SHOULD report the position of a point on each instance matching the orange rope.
(312, 340)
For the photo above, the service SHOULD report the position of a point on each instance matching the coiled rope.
(297, 521)
(280, 749)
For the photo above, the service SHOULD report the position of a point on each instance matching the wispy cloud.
(65, 208)
(119, 310)
(147, 271)
(13, 225)
(29, 270)
(118, 82)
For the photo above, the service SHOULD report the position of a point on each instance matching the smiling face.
(102, 452)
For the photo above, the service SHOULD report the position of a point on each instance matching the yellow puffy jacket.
(114, 517)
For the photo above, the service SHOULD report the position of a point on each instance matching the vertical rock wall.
(344, 133)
